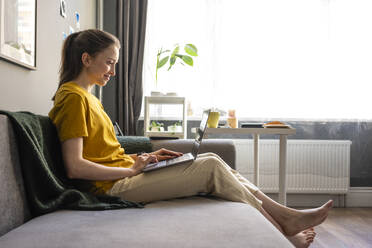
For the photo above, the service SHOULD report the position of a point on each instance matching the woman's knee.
(214, 155)
(212, 163)
(210, 154)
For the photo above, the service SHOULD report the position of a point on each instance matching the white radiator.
(313, 166)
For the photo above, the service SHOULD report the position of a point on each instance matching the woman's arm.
(79, 168)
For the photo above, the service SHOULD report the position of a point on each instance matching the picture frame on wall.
(18, 32)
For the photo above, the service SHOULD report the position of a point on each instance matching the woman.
(91, 151)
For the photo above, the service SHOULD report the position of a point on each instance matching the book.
(252, 125)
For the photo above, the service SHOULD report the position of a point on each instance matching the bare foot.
(302, 239)
(299, 220)
(310, 229)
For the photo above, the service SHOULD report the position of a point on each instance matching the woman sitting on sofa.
(91, 151)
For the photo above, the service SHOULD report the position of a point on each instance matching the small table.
(256, 132)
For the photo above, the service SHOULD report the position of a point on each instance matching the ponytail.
(91, 41)
(67, 57)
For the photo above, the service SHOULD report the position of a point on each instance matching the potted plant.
(175, 128)
(172, 56)
(156, 127)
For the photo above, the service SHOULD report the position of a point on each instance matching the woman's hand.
(142, 161)
(164, 154)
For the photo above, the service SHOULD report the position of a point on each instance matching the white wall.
(23, 89)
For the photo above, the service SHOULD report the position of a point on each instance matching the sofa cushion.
(135, 144)
(13, 204)
(187, 222)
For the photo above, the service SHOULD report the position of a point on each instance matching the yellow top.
(77, 113)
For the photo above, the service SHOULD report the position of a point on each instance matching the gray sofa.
(186, 222)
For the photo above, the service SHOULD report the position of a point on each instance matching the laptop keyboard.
(172, 160)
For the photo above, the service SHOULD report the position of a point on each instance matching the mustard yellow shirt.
(77, 113)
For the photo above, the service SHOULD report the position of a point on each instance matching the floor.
(345, 227)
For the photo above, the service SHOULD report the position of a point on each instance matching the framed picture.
(18, 32)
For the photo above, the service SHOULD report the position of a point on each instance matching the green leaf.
(172, 60)
(176, 50)
(163, 61)
(188, 60)
(191, 50)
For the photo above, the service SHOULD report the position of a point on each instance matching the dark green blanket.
(47, 186)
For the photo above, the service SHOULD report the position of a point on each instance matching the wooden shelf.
(165, 134)
(165, 99)
(169, 100)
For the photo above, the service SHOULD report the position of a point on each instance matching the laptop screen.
(200, 133)
(204, 120)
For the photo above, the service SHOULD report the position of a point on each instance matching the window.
(267, 59)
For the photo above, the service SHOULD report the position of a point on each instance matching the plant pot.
(156, 129)
(175, 129)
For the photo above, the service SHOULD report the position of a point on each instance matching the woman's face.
(102, 66)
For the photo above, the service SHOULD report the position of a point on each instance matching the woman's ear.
(85, 59)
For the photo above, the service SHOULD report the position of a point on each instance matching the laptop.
(185, 157)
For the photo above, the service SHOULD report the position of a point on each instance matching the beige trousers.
(208, 174)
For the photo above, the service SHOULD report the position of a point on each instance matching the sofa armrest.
(225, 148)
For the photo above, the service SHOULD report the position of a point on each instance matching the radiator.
(313, 166)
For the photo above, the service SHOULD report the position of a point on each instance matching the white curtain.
(267, 59)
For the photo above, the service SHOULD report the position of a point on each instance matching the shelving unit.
(167, 100)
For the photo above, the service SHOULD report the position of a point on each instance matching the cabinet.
(160, 101)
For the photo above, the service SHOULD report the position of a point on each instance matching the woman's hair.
(91, 41)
